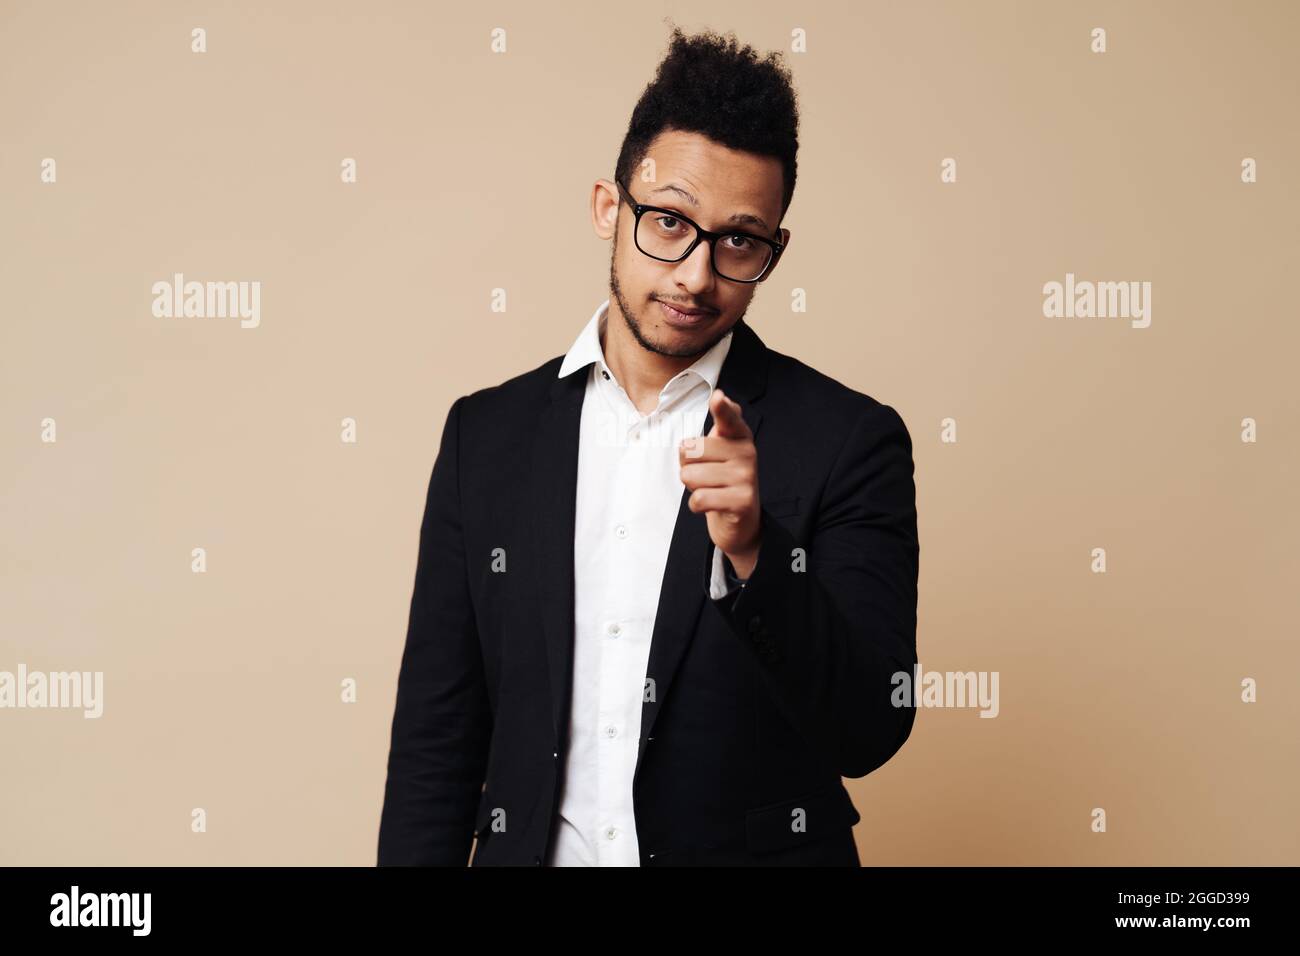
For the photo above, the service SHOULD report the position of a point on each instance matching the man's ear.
(604, 208)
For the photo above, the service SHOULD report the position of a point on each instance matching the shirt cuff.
(723, 580)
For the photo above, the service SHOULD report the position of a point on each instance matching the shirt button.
(611, 731)
(621, 531)
(610, 833)
(614, 629)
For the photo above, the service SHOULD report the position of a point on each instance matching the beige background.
(1119, 690)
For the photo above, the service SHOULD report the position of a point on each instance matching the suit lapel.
(553, 507)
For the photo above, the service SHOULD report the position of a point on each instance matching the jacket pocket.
(826, 813)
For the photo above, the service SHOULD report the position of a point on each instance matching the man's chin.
(685, 343)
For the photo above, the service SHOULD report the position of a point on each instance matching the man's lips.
(687, 311)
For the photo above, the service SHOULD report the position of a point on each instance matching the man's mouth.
(684, 316)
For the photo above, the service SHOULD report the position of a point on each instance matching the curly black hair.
(710, 84)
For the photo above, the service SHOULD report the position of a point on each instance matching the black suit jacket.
(757, 704)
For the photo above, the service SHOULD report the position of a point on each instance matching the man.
(664, 581)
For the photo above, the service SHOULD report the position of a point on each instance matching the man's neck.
(642, 373)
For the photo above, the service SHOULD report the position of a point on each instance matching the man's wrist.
(740, 566)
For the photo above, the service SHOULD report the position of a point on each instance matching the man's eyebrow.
(740, 218)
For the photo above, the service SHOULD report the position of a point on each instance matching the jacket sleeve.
(442, 721)
(833, 619)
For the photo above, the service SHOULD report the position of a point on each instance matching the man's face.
(708, 184)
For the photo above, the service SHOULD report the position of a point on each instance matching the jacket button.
(537, 861)
(755, 624)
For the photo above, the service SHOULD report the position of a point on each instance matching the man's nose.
(695, 272)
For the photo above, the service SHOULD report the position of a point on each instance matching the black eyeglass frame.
(701, 235)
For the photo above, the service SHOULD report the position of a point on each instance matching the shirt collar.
(586, 349)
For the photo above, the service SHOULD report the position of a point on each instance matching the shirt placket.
(618, 715)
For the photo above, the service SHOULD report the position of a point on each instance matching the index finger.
(727, 420)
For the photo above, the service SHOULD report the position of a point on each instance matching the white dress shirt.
(628, 494)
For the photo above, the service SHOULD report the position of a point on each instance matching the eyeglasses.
(670, 237)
